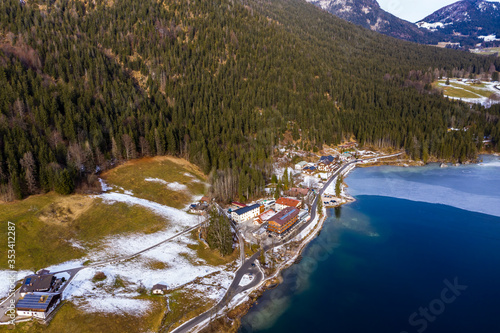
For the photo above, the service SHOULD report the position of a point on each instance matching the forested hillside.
(86, 84)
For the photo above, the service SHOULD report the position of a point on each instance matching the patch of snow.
(173, 214)
(76, 244)
(65, 266)
(5, 277)
(489, 38)
(63, 275)
(175, 186)
(104, 186)
(246, 279)
(156, 180)
(115, 304)
(432, 26)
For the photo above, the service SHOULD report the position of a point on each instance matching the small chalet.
(205, 200)
(238, 204)
(38, 305)
(159, 289)
(198, 208)
(283, 203)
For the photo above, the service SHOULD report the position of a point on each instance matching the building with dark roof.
(159, 289)
(326, 163)
(38, 305)
(247, 213)
(37, 282)
(309, 170)
(282, 221)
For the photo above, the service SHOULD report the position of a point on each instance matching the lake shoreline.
(239, 310)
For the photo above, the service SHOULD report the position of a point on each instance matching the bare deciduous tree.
(144, 145)
(28, 164)
(129, 145)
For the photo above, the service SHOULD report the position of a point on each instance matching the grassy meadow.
(465, 90)
(71, 319)
(47, 225)
(131, 176)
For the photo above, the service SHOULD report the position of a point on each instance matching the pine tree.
(219, 235)
(338, 185)
(320, 205)
(64, 183)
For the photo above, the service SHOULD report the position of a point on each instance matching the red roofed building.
(282, 221)
(283, 203)
(238, 204)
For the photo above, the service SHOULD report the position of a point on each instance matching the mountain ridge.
(369, 14)
(466, 20)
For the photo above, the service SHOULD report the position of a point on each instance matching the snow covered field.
(481, 93)
(172, 263)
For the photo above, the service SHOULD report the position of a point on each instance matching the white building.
(38, 305)
(159, 289)
(300, 165)
(246, 213)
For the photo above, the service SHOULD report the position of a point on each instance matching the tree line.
(88, 85)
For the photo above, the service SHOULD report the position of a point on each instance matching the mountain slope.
(472, 19)
(87, 85)
(368, 14)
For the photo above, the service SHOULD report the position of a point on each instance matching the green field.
(46, 224)
(488, 51)
(71, 319)
(465, 90)
(43, 239)
(131, 175)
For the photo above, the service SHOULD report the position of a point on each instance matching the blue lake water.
(392, 264)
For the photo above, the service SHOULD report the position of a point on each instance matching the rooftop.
(159, 286)
(267, 214)
(36, 301)
(246, 209)
(285, 215)
(326, 159)
(37, 282)
(288, 202)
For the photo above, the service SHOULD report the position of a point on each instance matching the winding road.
(247, 267)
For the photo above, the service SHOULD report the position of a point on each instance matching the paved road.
(232, 291)
(234, 288)
(247, 267)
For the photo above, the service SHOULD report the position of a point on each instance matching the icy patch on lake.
(471, 187)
